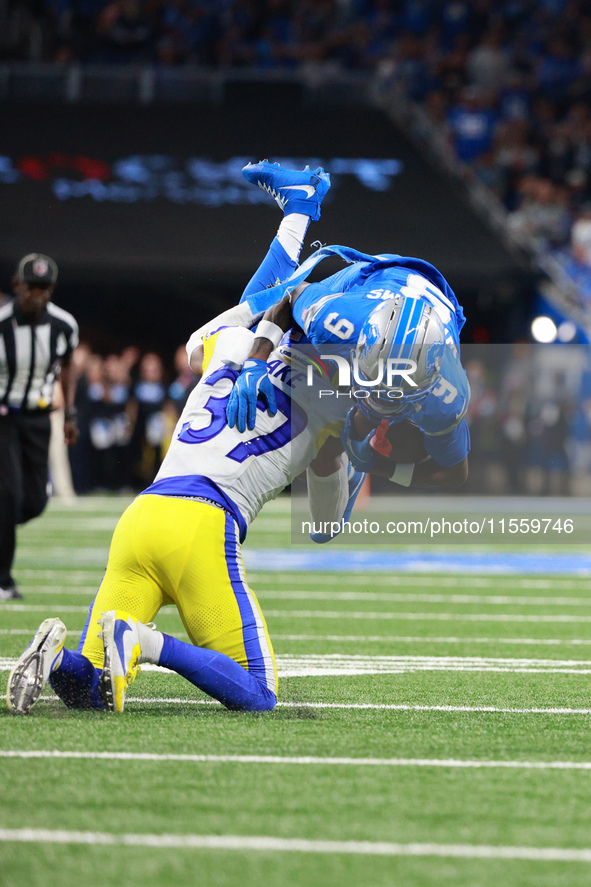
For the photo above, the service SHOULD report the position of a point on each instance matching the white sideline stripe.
(386, 597)
(29, 631)
(336, 614)
(264, 843)
(392, 639)
(378, 639)
(88, 591)
(41, 608)
(363, 706)
(68, 554)
(338, 664)
(577, 583)
(402, 597)
(62, 577)
(299, 760)
(443, 617)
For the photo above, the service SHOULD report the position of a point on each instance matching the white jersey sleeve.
(241, 472)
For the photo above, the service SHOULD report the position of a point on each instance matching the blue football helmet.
(398, 357)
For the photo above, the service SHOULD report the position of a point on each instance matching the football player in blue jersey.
(384, 314)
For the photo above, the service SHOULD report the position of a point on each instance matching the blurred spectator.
(184, 382)
(109, 422)
(542, 214)
(150, 425)
(126, 29)
(488, 64)
(581, 236)
(472, 122)
(126, 417)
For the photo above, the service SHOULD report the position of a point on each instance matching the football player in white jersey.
(179, 541)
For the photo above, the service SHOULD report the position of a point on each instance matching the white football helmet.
(398, 357)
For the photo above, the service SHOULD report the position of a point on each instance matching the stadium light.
(543, 329)
(567, 331)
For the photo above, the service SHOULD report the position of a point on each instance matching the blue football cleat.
(295, 190)
(356, 479)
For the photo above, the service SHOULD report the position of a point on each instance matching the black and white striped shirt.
(31, 354)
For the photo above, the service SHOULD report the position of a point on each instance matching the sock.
(76, 681)
(282, 258)
(291, 234)
(217, 675)
(151, 641)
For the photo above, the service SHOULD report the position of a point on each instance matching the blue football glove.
(360, 453)
(252, 382)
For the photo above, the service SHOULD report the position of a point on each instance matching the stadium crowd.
(530, 420)
(508, 82)
(127, 410)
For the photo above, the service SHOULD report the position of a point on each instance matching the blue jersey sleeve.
(450, 448)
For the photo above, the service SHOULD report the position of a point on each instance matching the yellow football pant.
(187, 553)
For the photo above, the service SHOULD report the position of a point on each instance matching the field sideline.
(433, 729)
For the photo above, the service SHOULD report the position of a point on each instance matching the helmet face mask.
(398, 358)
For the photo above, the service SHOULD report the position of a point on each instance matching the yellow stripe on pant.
(184, 552)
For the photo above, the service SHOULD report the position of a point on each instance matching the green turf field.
(432, 730)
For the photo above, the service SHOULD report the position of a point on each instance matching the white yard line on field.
(340, 665)
(336, 665)
(87, 591)
(266, 844)
(296, 760)
(387, 578)
(379, 639)
(364, 706)
(404, 597)
(338, 614)
(443, 617)
(386, 597)
(395, 639)
(63, 576)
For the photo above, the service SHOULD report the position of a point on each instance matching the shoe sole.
(30, 667)
(106, 678)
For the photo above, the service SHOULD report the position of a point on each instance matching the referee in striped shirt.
(36, 343)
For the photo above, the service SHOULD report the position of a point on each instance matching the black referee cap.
(37, 268)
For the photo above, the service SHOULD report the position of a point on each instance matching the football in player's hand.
(400, 442)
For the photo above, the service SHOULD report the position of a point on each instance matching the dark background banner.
(128, 197)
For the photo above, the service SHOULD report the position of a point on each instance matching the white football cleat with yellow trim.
(31, 672)
(121, 641)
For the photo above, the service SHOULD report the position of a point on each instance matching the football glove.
(252, 382)
(360, 452)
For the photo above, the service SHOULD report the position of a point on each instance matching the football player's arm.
(366, 453)
(254, 380)
(328, 487)
(429, 474)
(238, 315)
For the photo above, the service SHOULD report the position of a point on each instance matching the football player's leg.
(230, 657)
(333, 487)
(125, 587)
(299, 193)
